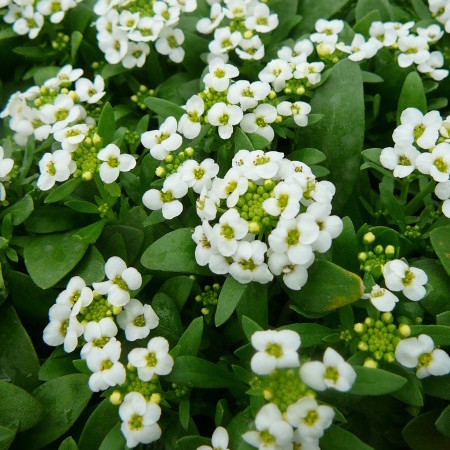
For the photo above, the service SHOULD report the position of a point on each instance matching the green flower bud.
(404, 330)
(389, 251)
(368, 238)
(370, 363)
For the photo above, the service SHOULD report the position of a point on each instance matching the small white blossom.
(275, 349)
(442, 192)
(433, 67)
(137, 320)
(224, 41)
(277, 72)
(298, 110)
(228, 231)
(6, 165)
(57, 166)
(219, 75)
(261, 20)
(309, 71)
(207, 24)
(88, 91)
(219, 440)
(383, 299)
(154, 359)
(76, 295)
(436, 163)
(250, 49)
(224, 117)
(414, 49)
(259, 121)
(114, 163)
(198, 175)
(419, 353)
(334, 372)
(139, 420)
(189, 124)
(97, 335)
(163, 141)
(401, 159)
(169, 43)
(247, 94)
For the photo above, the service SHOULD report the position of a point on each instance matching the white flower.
(285, 202)
(360, 49)
(54, 167)
(224, 41)
(232, 186)
(295, 276)
(302, 49)
(305, 443)
(258, 121)
(76, 295)
(163, 141)
(71, 137)
(169, 43)
(148, 29)
(6, 165)
(270, 427)
(206, 25)
(97, 335)
(383, 299)
(167, 199)
(115, 47)
(30, 23)
(277, 72)
(298, 110)
(247, 94)
(330, 226)
(419, 128)
(383, 33)
(55, 8)
(414, 49)
(197, 176)
(401, 159)
(275, 350)
(219, 440)
(184, 5)
(294, 237)
(420, 353)
(101, 7)
(88, 91)
(121, 280)
(228, 231)
(154, 359)
(114, 163)
(398, 276)
(327, 31)
(169, 15)
(257, 164)
(137, 320)
(310, 71)
(139, 420)
(309, 418)
(66, 75)
(206, 204)
(62, 112)
(251, 49)
(189, 124)
(106, 367)
(442, 192)
(333, 373)
(261, 20)
(63, 328)
(432, 33)
(249, 263)
(433, 67)
(224, 117)
(204, 250)
(219, 75)
(136, 55)
(437, 163)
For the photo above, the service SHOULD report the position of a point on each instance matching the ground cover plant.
(225, 224)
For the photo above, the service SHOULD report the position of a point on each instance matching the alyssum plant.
(230, 219)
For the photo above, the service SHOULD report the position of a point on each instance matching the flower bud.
(155, 398)
(189, 151)
(359, 328)
(115, 398)
(404, 330)
(363, 346)
(378, 250)
(87, 176)
(254, 228)
(300, 90)
(248, 34)
(362, 256)
(387, 317)
(160, 171)
(389, 251)
(368, 238)
(116, 310)
(370, 363)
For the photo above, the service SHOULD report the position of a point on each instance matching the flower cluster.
(237, 25)
(28, 17)
(422, 142)
(66, 108)
(125, 29)
(269, 216)
(440, 9)
(293, 416)
(91, 319)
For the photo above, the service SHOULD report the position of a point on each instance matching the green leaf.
(421, 433)
(255, 304)
(439, 333)
(231, 294)
(99, 424)
(365, 6)
(443, 318)
(241, 141)
(53, 218)
(18, 406)
(164, 108)
(412, 95)
(192, 442)
(57, 365)
(372, 154)
(91, 233)
(75, 42)
(421, 9)
(340, 134)
(391, 202)
(345, 248)
(174, 252)
(412, 392)
(189, 343)
(307, 155)
(342, 288)
(20, 211)
(440, 241)
(200, 373)
(437, 386)
(91, 268)
(184, 412)
(335, 438)
(443, 422)
(311, 10)
(49, 258)
(68, 444)
(311, 334)
(369, 77)
(376, 382)
(114, 440)
(106, 125)
(63, 190)
(178, 289)
(250, 326)
(170, 325)
(19, 367)
(7, 434)
(63, 400)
